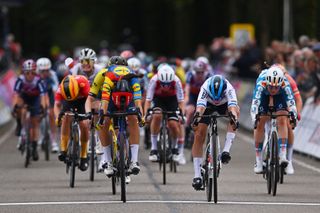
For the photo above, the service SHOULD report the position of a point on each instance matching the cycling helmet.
(126, 54)
(69, 88)
(29, 65)
(165, 73)
(117, 60)
(134, 64)
(203, 59)
(43, 64)
(88, 53)
(217, 87)
(274, 76)
(103, 60)
(199, 66)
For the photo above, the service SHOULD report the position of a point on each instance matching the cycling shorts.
(279, 103)
(33, 103)
(169, 103)
(78, 104)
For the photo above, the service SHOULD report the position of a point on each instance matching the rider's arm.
(57, 103)
(106, 92)
(256, 100)
(290, 98)
(150, 93)
(179, 93)
(232, 99)
(96, 86)
(17, 88)
(43, 94)
(202, 99)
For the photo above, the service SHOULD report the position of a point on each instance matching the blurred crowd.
(301, 59)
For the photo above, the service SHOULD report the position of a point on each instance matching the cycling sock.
(134, 152)
(181, 145)
(197, 166)
(174, 143)
(107, 153)
(290, 152)
(258, 151)
(228, 143)
(282, 144)
(84, 147)
(154, 142)
(64, 142)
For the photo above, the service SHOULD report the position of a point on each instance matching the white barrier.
(307, 133)
(6, 93)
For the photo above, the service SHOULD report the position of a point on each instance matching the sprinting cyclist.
(112, 76)
(50, 79)
(165, 90)
(272, 88)
(71, 95)
(29, 91)
(216, 95)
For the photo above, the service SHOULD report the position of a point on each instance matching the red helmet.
(29, 65)
(126, 54)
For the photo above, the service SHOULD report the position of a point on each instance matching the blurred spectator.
(316, 50)
(201, 51)
(304, 41)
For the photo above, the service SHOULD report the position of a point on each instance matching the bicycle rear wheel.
(122, 167)
(92, 154)
(274, 164)
(214, 152)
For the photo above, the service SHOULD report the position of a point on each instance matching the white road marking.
(160, 201)
(249, 140)
(7, 134)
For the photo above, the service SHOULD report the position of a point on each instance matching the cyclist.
(195, 78)
(115, 72)
(272, 87)
(51, 82)
(71, 95)
(165, 90)
(216, 95)
(135, 65)
(297, 97)
(95, 94)
(30, 91)
(88, 68)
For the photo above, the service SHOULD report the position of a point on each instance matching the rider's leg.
(282, 122)
(258, 138)
(197, 152)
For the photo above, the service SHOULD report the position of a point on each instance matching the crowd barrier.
(6, 94)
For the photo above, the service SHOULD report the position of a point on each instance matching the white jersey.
(229, 95)
(156, 90)
(77, 70)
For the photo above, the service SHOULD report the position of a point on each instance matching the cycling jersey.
(284, 98)
(97, 83)
(51, 83)
(155, 89)
(293, 85)
(84, 88)
(229, 95)
(196, 82)
(77, 70)
(113, 75)
(29, 89)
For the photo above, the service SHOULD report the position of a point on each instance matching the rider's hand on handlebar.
(196, 120)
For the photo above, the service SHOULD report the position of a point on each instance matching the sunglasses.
(273, 87)
(165, 84)
(86, 61)
(29, 72)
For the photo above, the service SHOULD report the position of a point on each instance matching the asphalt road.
(43, 187)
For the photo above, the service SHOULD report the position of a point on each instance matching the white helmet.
(134, 64)
(274, 76)
(88, 53)
(103, 60)
(43, 64)
(203, 59)
(165, 73)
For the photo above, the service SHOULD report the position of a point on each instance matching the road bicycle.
(273, 172)
(211, 166)
(165, 142)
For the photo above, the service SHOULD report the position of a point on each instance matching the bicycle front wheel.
(46, 139)
(215, 162)
(164, 154)
(122, 167)
(74, 155)
(274, 164)
(208, 174)
(92, 154)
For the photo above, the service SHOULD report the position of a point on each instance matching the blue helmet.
(217, 86)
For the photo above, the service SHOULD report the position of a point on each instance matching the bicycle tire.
(267, 170)
(115, 163)
(92, 154)
(214, 150)
(46, 140)
(274, 164)
(208, 180)
(74, 154)
(122, 167)
(164, 156)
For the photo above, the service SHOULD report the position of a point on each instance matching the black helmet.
(117, 60)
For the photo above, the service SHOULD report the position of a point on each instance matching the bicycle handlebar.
(290, 115)
(157, 110)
